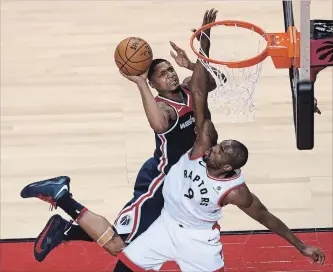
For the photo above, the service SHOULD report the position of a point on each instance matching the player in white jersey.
(205, 179)
(192, 196)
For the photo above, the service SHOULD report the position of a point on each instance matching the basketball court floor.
(66, 110)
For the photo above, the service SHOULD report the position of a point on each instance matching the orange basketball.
(133, 56)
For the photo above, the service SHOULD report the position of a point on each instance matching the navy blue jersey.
(172, 144)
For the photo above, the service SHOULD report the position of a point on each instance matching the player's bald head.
(237, 153)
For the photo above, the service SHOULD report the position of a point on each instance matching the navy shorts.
(146, 205)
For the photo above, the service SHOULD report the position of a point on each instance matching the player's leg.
(101, 231)
(150, 250)
(199, 250)
(147, 203)
(76, 233)
(56, 192)
(143, 180)
(147, 182)
(60, 230)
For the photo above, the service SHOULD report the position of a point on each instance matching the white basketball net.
(235, 86)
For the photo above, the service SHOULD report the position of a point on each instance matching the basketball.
(133, 56)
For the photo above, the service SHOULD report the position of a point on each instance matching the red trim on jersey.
(228, 191)
(194, 158)
(224, 179)
(180, 109)
(122, 257)
(163, 158)
(170, 102)
(139, 202)
(142, 197)
(183, 110)
(159, 98)
(189, 97)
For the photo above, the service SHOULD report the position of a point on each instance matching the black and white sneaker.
(49, 190)
(51, 236)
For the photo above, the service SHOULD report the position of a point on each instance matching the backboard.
(316, 36)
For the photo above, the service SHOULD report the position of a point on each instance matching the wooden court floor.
(65, 110)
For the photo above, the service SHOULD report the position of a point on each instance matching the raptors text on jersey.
(192, 196)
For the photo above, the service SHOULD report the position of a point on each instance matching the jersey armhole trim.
(228, 191)
(174, 125)
(194, 158)
(225, 179)
(165, 100)
(189, 97)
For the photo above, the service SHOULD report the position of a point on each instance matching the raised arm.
(206, 132)
(160, 116)
(252, 206)
(182, 60)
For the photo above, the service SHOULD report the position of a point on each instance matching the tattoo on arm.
(169, 114)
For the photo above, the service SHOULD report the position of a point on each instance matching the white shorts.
(166, 240)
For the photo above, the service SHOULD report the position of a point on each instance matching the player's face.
(218, 157)
(165, 78)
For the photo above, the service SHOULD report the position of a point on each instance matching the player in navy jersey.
(171, 116)
(205, 179)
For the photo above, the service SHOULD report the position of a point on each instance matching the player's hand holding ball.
(133, 56)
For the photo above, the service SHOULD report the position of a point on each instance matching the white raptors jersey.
(191, 196)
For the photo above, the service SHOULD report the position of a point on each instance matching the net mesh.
(235, 89)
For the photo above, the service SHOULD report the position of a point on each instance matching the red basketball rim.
(234, 64)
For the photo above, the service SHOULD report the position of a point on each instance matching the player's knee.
(111, 241)
(115, 245)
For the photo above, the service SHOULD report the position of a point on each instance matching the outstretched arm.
(182, 60)
(206, 132)
(251, 205)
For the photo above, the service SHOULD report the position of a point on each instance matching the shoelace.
(50, 200)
